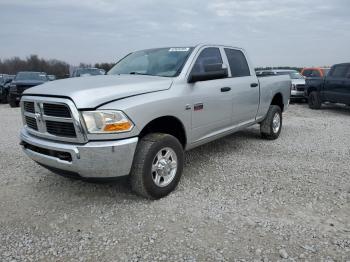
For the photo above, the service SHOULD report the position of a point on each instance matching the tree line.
(55, 67)
(62, 69)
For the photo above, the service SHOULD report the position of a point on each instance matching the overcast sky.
(274, 32)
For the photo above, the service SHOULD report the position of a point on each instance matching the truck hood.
(92, 91)
(298, 81)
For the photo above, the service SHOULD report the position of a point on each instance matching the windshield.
(166, 62)
(295, 76)
(326, 71)
(31, 76)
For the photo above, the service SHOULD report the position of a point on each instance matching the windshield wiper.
(138, 73)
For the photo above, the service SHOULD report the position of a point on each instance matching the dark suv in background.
(334, 88)
(23, 81)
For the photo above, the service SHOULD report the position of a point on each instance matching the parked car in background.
(87, 72)
(23, 81)
(298, 81)
(152, 106)
(334, 87)
(5, 81)
(51, 77)
(315, 72)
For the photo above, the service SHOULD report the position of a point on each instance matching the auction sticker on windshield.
(179, 49)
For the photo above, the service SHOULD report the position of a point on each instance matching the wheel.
(3, 99)
(157, 166)
(12, 101)
(314, 100)
(270, 127)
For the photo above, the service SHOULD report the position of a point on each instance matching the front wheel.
(270, 127)
(157, 166)
(314, 100)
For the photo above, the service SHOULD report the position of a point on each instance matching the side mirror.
(211, 72)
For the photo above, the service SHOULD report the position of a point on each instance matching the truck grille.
(60, 128)
(300, 87)
(56, 110)
(29, 107)
(52, 118)
(31, 122)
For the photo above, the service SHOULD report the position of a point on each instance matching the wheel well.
(278, 101)
(166, 124)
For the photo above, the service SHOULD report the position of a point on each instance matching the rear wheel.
(314, 100)
(157, 166)
(3, 98)
(12, 101)
(271, 127)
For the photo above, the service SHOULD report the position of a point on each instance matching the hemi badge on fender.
(198, 107)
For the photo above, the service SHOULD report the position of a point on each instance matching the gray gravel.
(241, 198)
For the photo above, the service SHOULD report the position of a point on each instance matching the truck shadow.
(337, 108)
(120, 189)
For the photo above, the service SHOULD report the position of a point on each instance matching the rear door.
(345, 88)
(244, 86)
(334, 86)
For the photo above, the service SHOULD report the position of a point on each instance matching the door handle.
(254, 84)
(225, 89)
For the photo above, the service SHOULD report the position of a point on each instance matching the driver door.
(211, 99)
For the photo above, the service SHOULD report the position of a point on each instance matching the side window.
(208, 56)
(307, 73)
(348, 73)
(238, 63)
(315, 73)
(339, 71)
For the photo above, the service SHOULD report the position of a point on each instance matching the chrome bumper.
(295, 93)
(103, 159)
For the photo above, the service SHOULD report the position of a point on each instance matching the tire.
(314, 100)
(3, 99)
(146, 179)
(12, 101)
(270, 127)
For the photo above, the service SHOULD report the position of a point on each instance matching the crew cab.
(23, 81)
(334, 88)
(151, 107)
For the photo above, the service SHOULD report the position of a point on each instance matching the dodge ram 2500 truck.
(152, 106)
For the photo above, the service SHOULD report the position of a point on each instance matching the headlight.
(106, 121)
(293, 87)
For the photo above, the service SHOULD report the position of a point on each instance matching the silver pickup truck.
(152, 106)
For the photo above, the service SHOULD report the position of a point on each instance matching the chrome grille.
(300, 87)
(60, 128)
(56, 110)
(31, 122)
(52, 118)
(29, 107)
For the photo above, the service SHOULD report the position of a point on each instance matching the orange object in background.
(315, 71)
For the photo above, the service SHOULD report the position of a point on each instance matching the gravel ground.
(241, 198)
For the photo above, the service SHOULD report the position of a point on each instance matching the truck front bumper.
(102, 159)
(297, 94)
